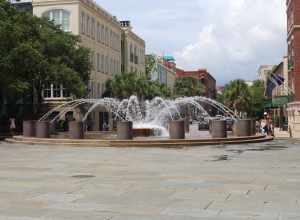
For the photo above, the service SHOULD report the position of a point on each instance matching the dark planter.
(29, 128)
(177, 129)
(76, 130)
(43, 129)
(219, 129)
(243, 128)
(124, 130)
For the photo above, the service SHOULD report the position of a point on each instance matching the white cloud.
(230, 38)
(240, 35)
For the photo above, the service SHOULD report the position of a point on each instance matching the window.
(131, 53)
(82, 23)
(102, 63)
(87, 27)
(51, 91)
(56, 91)
(98, 32)
(98, 62)
(47, 91)
(106, 64)
(60, 17)
(66, 92)
(111, 39)
(93, 59)
(102, 33)
(93, 28)
(106, 36)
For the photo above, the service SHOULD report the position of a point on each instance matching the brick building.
(205, 78)
(293, 40)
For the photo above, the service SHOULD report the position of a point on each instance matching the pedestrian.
(12, 126)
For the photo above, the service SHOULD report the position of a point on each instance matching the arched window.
(60, 17)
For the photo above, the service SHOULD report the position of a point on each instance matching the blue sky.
(230, 38)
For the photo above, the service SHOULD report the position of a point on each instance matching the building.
(100, 32)
(205, 78)
(164, 71)
(133, 50)
(293, 41)
(278, 94)
(264, 72)
(281, 71)
(22, 5)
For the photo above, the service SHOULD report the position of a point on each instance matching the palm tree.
(237, 96)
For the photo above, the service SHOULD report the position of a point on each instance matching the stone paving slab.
(241, 182)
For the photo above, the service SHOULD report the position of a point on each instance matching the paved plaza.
(260, 181)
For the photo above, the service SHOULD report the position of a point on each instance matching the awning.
(280, 101)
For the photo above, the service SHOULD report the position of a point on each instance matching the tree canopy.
(128, 84)
(188, 86)
(34, 51)
(237, 96)
(150, 62)
(240, 97)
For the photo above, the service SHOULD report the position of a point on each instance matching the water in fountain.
(151, 114)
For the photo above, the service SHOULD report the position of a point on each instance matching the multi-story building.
(293, 41)
(164, 71)
(99, 31)
(205, 78)
(133, 50)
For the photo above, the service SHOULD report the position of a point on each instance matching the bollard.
(177, 129)
(124, 130)
(243, 128)
(76, 130)
(43, 129)
(218, 129)
(29, 128)
(253, 127)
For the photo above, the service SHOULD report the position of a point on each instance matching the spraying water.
(153, 114)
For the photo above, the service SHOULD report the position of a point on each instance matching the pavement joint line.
(208, 205)
(227, 198)
(248, 192)
(266, 187)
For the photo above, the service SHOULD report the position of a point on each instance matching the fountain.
(157, 122)
(150, 118)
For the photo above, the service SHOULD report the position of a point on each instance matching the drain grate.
(83, 176)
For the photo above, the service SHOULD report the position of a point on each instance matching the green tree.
(188, 86)
(128, 84)
(150, 62)
(237, 96)
(34, 51)
(257, 91)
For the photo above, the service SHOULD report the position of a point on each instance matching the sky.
(229, 38)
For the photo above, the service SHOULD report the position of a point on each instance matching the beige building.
(133, 50)
(99, 31)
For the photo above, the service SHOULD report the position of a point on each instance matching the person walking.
(12, 126)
